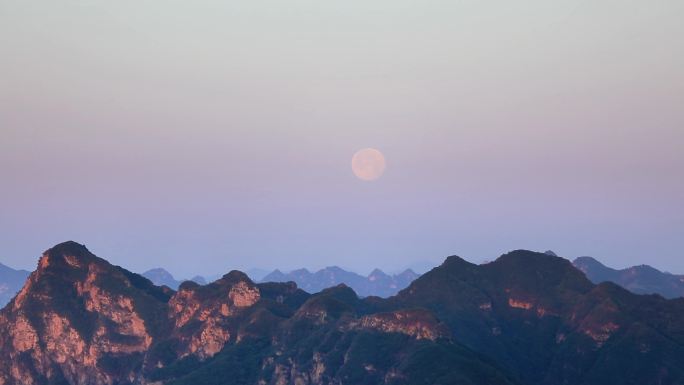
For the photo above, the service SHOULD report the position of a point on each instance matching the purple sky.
(208, 135)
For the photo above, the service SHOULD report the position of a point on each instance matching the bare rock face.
(75, 315)
(211, 309)
(79, 320)
(419, 324)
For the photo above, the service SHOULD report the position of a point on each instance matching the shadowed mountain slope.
(538, 316)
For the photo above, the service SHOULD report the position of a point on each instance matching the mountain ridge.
(526, 318)
(377, 283)
(640, 279)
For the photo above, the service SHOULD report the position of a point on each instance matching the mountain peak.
(527, 258)
(588, 260)
(454, 262)
(333, 269)
(235, 276)
(408, 271)
(544, 269)
(376, 273)
(69, 248)
(70, 253)
(161, 277)
(377, 283)
(341, 292)
(160, 272)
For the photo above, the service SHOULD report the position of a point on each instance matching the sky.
(203, 136)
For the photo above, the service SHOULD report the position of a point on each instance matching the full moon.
(368, 164)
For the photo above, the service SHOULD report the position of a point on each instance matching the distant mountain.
(199, 280)
(161, 277)
(642, 279)
(377, 283)
(11, 282)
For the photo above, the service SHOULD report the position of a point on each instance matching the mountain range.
(161, 277)
(526, 318)
(642, 279)
(377, 283)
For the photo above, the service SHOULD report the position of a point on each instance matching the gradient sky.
(209, 135)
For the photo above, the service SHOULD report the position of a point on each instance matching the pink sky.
(203, 136)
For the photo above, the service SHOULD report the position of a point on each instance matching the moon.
(368, 164)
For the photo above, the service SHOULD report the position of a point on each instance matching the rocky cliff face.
(417, 323)
(75, 317)
(80, 320)
(210, 309)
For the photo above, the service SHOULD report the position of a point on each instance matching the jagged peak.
(377, 272)
(454, 261)
(408, 271)
(69, 275)
(70, 253)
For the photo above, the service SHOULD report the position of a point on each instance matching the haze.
(209, 135)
